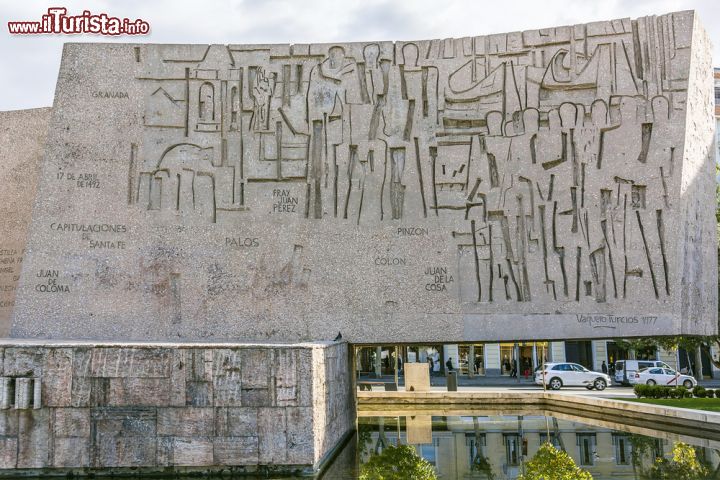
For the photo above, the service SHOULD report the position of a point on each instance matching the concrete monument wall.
(22, 144)
(244, 408)
(541, 184)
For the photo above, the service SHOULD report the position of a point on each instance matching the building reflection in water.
(496, 447)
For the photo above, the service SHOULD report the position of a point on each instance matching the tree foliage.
(642, 448)
(549, 463)
(684, 465)
(688, 343)
(397, 463)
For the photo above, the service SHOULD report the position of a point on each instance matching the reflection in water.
(550, 461)
(400, 462)
(500, 447)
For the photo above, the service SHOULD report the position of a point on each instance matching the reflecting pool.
(498, 445)
(448, 444)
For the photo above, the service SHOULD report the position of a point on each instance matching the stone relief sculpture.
(553, 148)
(538, 184)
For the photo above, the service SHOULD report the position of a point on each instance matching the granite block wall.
(249, 407)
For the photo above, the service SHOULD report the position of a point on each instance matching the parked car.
(662, 376)
(558, 375)
(633, 366)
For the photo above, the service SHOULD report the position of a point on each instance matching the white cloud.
(29, 65)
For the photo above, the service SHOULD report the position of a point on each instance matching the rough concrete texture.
(253, 407)
(539, 184)
(417, 377)
(22, 143)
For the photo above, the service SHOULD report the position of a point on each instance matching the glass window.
(623, 449)
(512, 450)
(645, 365)
(586, 448)
(669, 372)
(656, 371)
(577, 368)
(475, 446)
(428, 452)
(507, 354)
(658, 447)
(619, 366)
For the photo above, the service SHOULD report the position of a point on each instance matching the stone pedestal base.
(247, 407)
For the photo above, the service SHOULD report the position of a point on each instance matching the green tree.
(673, 343)
(397, 463)
(684, 465)
(635, 344)
(642, 448)
(549, 463)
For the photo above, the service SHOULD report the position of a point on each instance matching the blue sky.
(29, 65)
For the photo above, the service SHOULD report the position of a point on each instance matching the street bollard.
(452, 382)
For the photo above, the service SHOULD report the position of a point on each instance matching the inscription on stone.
(109, 94)
(438, 279)
(80, 180)
(390, 261)
(284, 202)
(614, 321)
(10, 266)
(242, 242)
(48, 281)
(412, 231)
(89, 234)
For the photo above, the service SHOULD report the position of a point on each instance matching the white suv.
(558, 375)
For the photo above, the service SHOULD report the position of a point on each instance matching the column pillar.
(557, 352)
(7, 395)
(378, 362)
(22, 393)
(471, 361)
(492, 359)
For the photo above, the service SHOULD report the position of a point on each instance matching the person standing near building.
(436, 363)
(449, 365)
(431, 365)
(603, 367)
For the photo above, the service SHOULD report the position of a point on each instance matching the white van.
(633, 366)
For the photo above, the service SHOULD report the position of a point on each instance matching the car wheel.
(555, 383)
(600, 384)
(651, 382)
(688, 384)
